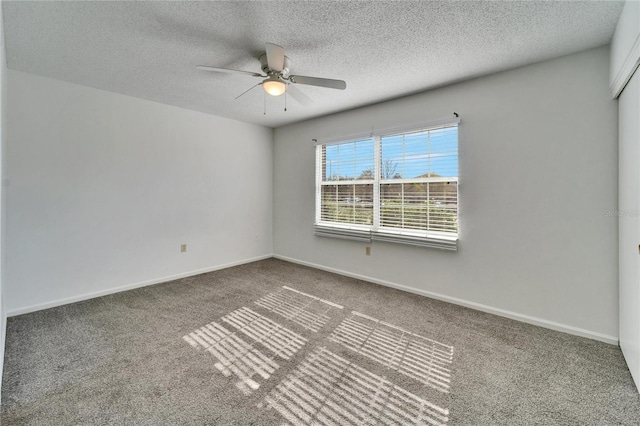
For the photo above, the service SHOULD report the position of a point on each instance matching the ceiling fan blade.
(316, 81)
(298, 95)
(229, 71)
(275, 57)
(247, 91)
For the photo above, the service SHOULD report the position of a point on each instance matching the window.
(395, 186)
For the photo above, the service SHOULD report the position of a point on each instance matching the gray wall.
(104, 188)
(538, 171)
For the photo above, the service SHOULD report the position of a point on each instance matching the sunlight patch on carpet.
(304, 309)
(326, 389)
(280, 340)
(420, 358)
(245, 360)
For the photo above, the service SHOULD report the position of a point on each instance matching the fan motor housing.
(265, 66)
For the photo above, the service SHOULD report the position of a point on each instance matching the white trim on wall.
(456, 301)
(625, 48)
(87, 296)
(477, 306)
(625, 72)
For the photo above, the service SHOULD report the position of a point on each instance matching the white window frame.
(367, 233)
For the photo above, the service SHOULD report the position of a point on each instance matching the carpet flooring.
(273, 343)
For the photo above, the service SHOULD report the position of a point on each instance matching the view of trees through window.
(414, 187)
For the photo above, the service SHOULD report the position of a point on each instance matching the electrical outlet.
(183, 248)
(367, 251)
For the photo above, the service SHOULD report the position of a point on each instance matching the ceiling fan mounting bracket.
(265, 66)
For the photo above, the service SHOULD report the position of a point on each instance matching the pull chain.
(265, 103)
(285, 98)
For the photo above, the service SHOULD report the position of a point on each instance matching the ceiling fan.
(275, 66)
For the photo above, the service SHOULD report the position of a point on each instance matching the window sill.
(344, 233)
(367, 235)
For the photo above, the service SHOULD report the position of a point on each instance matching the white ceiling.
(383, 50)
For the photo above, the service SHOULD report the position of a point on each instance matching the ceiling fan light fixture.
(275, 67)
(273, 86)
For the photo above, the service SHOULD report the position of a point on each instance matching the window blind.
(347, 183)
(399, 187)
(419, 181)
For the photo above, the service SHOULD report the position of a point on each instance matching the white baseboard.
(86, 296)
(473, 305)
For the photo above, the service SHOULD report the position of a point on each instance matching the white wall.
(538, 170)
(103, 189)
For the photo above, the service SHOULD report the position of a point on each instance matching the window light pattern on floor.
(415, 356)
(326, 389)
(304, 309)
(236, 356)
(280, 340)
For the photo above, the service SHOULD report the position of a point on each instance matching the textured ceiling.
(382, 50)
